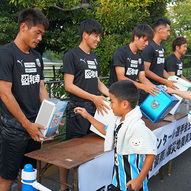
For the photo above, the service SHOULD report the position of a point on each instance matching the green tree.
(8, 21)
(118, 18)
(179, 14)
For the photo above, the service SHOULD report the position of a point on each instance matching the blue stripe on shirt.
(122, 173)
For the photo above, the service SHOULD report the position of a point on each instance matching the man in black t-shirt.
(81, 79)
(21, 90)
(154, 55)
(174, 63)
(127, 62)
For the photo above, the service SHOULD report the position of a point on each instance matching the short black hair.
(161, 21)
(90, 26)
(142, 30)
(178, 42)
(125, 90)
(32, 17)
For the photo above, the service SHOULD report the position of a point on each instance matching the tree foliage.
(118, 19)
(8, 21)
(179, 14)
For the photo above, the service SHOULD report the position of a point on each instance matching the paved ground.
(180, 179)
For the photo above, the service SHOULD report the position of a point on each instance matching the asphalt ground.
(179, 180)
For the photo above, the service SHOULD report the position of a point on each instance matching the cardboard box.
(183, 86)
(157, 108)
(50, 115)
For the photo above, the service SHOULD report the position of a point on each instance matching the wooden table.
(71, 154)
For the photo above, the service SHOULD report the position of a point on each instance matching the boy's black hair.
(32, 17)
(142, 30)
(178, 42)
(90, 26)
(125, 90)
(161, 21)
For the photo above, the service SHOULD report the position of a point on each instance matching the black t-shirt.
(155, 54)
(85, 69)
(173, 64)
(24, 71)
(133, 63)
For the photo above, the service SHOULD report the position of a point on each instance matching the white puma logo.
(83, 60)
(20, 62)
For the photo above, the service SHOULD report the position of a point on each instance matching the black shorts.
(13, 157)
(113, 188)
(76, 125)
(143, 96)
(0, 152)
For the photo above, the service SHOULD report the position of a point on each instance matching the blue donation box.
(157, 108)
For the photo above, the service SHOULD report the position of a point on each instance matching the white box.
(50, 115)
(183, 86)
(180, 81)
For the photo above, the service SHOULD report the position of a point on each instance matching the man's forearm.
(43, 92)
(14, 108)
(155, 77)
(102, 88)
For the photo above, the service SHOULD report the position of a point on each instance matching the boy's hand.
(82, 112)
(134, 185)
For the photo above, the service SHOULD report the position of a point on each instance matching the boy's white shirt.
(133, 137)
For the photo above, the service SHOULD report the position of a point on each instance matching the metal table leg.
(75, 182)
(169, 167)
(162, 174)
(38, 171)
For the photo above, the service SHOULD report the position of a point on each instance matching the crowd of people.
(136, 69)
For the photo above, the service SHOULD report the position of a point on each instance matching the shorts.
(76, 125)
(13, 157)
(0, 152)
(113, 188)
(143, 96)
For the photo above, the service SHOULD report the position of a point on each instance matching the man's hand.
(151, 89)
(33, 130)
(170, 84)
(99, 103)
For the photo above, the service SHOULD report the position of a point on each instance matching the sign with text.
(172, 140)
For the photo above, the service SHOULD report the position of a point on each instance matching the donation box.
(50, 115)
(157, 108)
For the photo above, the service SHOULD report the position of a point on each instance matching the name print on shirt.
(28, 78)
(91, 64)
(160, 58)
(133, 69)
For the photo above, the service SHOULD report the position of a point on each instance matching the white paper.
(176, 107)
(105, 119)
